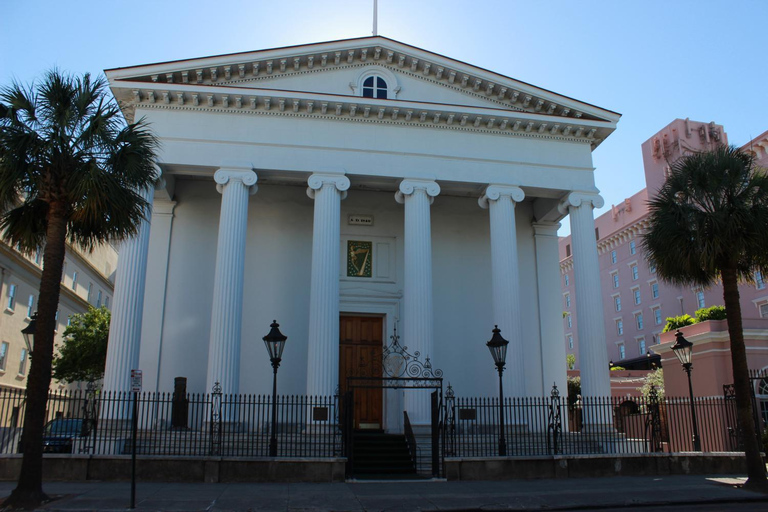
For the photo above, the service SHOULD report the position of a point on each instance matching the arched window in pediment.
(377, 83)
(375, 87)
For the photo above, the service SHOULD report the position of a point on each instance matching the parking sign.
(136, 381)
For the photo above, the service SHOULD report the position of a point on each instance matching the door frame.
(363, 302)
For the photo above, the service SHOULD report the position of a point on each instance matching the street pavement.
(669, 493)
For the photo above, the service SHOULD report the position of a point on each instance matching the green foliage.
(710, 313)
(574, 389)
(676, 322)
(617, 368)
(84, 352)
(655, 379)
(570, 360)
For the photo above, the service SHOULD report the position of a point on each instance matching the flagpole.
(375, 16)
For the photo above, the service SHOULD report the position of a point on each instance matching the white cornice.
(248, 101)
(397, 56)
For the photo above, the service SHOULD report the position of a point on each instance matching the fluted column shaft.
(550, 307)
(418, 322)
(235, 185)
(128, 306)
(323, 358)
(500, 201)
(593, 354)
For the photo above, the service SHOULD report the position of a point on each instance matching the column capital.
(244, 175)
(545, 228)
(494, 192)
(318, 180)
(409, 186)
(576, 199)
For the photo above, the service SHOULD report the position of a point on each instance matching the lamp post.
(683, 349)
(275, 342)
(498, 347)
(29, 332)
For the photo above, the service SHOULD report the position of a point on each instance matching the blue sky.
(652, 61)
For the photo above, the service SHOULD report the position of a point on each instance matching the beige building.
(88, 278)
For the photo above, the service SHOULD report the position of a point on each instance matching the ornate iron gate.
(396, 369)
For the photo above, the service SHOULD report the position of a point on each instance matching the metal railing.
(592, 425)
(191, 425)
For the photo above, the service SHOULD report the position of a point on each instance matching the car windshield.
(64, 428)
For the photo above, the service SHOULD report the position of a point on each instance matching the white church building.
(348, 189)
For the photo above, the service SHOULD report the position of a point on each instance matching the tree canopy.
(84, 350)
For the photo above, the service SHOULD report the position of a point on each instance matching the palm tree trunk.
(29, 490)
(755, 465)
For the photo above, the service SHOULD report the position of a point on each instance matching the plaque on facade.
(360, 220)
(359, 258)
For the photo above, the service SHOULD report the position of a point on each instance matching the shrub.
(655, 379)
(676, 322)
(617, 368)
(711, 313)
(574, 389)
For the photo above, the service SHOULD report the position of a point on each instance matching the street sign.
(136, 381)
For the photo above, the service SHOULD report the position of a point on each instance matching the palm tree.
(709, 222)
(70, 170)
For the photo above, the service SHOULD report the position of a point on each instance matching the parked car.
(59, 433)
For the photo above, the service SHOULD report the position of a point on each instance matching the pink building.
(635, 302)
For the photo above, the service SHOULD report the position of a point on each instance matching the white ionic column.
(128, 306)
(593, 354)
(550, 307)
(323, 358)
(500, 201)
(418, 323)
(235, 185)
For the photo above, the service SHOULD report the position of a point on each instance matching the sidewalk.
(563, 494)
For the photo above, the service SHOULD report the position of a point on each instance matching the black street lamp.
(683, 349)
(498, 348)
(29, 332)
(275, 342)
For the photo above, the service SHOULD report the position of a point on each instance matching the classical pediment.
(326, 79)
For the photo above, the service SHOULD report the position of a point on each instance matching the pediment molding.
(245, 101)
(252, 67)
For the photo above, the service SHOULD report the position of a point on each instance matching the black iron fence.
(592, 425)
(189, 425)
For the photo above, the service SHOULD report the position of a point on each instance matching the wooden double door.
(360, 349)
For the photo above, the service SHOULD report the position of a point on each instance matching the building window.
(38, 256)
(615, 277)
(3, 355)
(632, 247)
(30, 306)
(622, 351)
(69, 321)
(619, 327)
(764, 310)
(106, 301)
(635, 273)
(570, 342)
(613, 256)
(656, 339)
(759, 281)
(568, 321)
(567, 282)
(636, 293)
(23, 362)
(11, 297)
(657, 316)
(63, 272)
(567, 300)
(98, 299)
(617, 302)
(700, 299)
(74, 280)
(90, 292)
(641, 345)
(639, 321)
(567, 250)
(655, 290)
(652, 268)
(375, 87)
